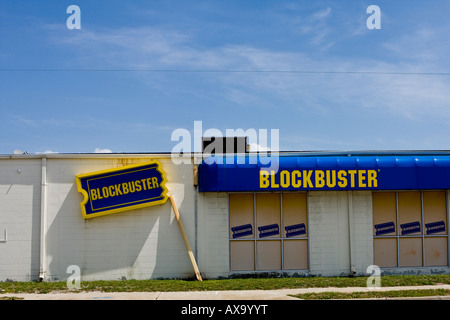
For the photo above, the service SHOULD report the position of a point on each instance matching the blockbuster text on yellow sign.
(121, 189)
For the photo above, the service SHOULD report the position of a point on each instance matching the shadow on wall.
(136, 244)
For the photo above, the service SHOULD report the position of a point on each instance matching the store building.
(293, 214)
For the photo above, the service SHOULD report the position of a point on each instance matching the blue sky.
(138, 70)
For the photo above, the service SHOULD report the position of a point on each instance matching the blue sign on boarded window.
(435, 227)
(242, 231)
(120, 189)
(295, 230)
(410, 227)
(384, 228)
(268, 230)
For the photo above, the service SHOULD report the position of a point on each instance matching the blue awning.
(332, 172)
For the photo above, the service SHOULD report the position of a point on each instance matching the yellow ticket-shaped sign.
(121, 189)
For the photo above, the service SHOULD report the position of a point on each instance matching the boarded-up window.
(385, 252)
(294, 228)
(269, 255)
(295, 254)
(410, 228)
(242, 255)
(241, 216)
(268, 231)
(435, 226)
(268, 213)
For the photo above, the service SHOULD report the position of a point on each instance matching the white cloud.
(404, 95)
(316, 28)
(137, 48)
(100, 150)
(423, 45)
(47, 152)
(254, 147)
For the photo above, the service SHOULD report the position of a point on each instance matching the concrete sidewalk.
(281, 294)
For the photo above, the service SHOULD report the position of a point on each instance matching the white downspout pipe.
(43, 244)
(351, 232)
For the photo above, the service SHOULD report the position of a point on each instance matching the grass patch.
(373, 294)
(223, 284)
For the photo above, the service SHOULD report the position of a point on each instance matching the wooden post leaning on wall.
(186, 241)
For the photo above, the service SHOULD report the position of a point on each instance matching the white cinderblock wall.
(330, 251)
(362, 231)
(213, 247)
(138, 244)
(20, 200)
(328, 233)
